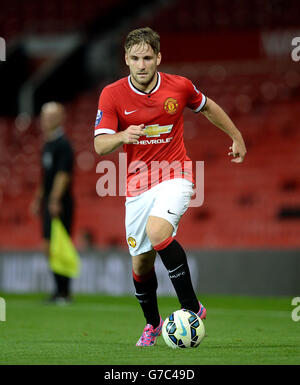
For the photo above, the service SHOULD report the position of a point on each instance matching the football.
(183, 329)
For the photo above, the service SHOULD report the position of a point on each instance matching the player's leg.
(145, 283)
(161, 227)
(174, 258)
(142, 254)
(143, 258)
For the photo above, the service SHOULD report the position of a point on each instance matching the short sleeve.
(196, 100)
(65, 157)
(107, 118)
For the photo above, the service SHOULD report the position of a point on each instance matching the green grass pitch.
(103, 330)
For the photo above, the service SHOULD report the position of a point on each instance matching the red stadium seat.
(241, 202)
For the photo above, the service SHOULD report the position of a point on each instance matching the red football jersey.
(160, 154)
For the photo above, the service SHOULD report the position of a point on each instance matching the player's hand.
(238, 151)
(54, 207)
(132, 134)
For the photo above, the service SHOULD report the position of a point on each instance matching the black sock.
(145, 293)
(62, 285)
(174, 258)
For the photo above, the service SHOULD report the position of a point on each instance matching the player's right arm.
(107, 137)
(106, 143)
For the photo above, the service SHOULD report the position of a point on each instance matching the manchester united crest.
(131, 241)
(171, 106)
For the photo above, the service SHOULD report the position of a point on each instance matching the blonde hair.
(143, 36)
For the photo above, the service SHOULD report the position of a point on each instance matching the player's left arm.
(219, 118)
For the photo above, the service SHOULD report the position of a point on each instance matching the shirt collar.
(139, 92)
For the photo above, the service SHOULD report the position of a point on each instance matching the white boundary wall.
(241, 272)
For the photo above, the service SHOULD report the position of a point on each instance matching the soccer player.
(144, 113)
(53, 197)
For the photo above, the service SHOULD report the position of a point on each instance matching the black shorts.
(66, 217)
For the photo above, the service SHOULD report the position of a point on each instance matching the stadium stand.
(244, 206)
(218, 15)
(251, 195)
(30, 16)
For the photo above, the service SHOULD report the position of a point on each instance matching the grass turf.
(103, 330)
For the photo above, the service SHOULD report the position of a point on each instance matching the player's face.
(142, 63)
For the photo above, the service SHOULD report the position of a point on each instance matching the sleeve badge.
(98, 117)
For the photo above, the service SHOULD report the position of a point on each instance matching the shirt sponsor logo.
(98, 117)
(154, 141)
(155, 130)
(171, 105)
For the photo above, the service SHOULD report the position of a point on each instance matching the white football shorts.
(169, 200)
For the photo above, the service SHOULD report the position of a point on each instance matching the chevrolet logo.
(156, 130)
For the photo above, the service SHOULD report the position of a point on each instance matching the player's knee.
(142, 266)
(156, 235)
(142, 269)
(158, 230)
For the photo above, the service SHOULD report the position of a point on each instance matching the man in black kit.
(53, 197)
